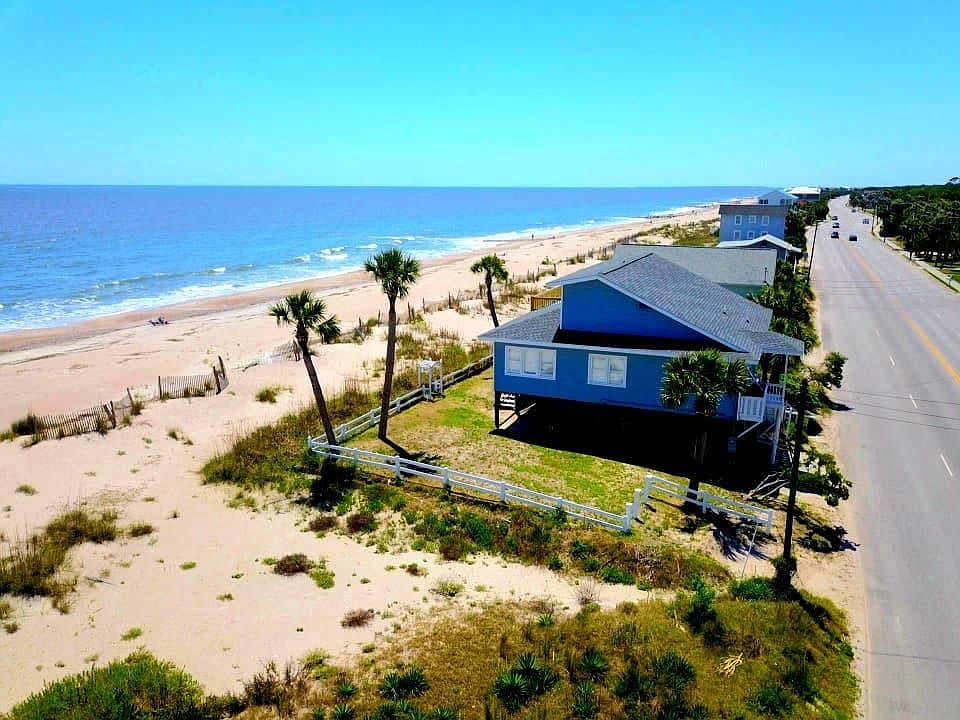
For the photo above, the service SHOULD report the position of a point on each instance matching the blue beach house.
(606, 340)
(746, 221)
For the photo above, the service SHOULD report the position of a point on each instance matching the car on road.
(852, 238)
(833, 217)
(835, 234)
(836, 225)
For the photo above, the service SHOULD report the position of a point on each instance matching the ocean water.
(75, 253)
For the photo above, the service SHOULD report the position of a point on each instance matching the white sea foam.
(218, 270)
(371, 246)
(333, 256)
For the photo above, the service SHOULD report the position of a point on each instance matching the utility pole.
(785, 569)
(813, 247)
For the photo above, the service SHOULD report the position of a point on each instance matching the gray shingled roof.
(725, 266)
(676, 292)
(536, 326)
(691, 299)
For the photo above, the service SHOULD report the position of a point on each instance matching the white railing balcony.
(774, 394)
(751, 409)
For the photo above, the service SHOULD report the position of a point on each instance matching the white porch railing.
(750, 409)
(371, 418)
(755, 409)
(774, 394)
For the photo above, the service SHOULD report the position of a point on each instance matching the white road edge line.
(944, 461)
(913, 401)
(892, 361)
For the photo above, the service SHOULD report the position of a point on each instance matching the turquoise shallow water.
(75, 253)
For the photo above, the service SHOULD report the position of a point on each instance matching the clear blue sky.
(479, 93)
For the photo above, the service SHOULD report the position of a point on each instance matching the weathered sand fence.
(110, 415)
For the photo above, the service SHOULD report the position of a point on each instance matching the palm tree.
(492, 268)
(396, 273)
(707, 378)
(308, 313)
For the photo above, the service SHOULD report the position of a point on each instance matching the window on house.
(531, 362)
(752, 219)
(750, 234)
(736, 234)
(765, 220)
(764, 202)
(610, 370)
(737, 219)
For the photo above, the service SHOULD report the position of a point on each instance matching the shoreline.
(323, 285)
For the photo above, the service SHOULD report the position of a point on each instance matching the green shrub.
(361, 521)
(613, 574)
(701, 610)
(27, 425)
(346, 688)
(772, 700)
(755, 588)
(322, 575)
(137, 687)
(26, 489)
(139, 529)
(293, 564)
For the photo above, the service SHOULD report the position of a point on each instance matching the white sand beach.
(148, 476)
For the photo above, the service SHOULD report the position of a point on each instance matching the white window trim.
(752, 219)
(607, 361)
(750, 235)
(738, 219)
(534, 363)
(736, 234)
(765, 220)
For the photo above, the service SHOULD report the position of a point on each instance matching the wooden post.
(627, 518)
(159, 388)
(113, 415)
(503, 491)
(130, 398)
(216, 379)
(223, 369)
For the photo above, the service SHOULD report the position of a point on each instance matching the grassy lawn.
(457, 431)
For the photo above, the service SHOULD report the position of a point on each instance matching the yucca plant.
(585, 704)
(540, 677)
(673, 671)
(414, 682)
(444, 713)
(346, 688)
(594, 665)
(342, 712)
(511, 689)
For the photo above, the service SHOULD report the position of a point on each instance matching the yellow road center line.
(918, 331)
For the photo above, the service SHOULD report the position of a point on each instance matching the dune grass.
(31, 567)
(271, 455)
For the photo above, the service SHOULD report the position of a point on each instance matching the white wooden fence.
(503, 491)
(761, 516)
(370, 419)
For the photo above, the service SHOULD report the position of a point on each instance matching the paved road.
(900, 443)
